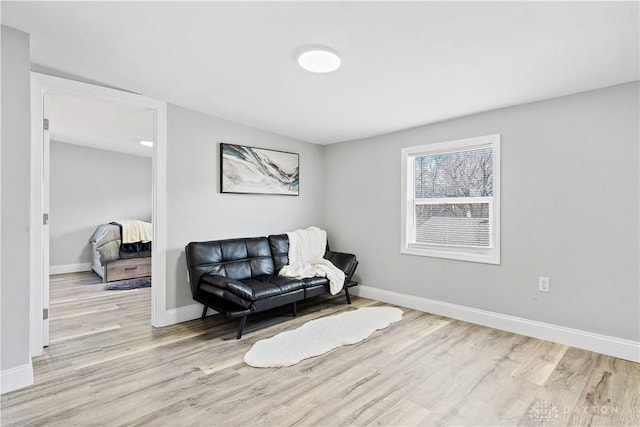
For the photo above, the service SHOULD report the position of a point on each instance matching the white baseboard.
(69, 268)
(185, 313)
(612, 346)
(16, 378)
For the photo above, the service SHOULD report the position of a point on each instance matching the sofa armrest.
(345, 262)
(234, 286)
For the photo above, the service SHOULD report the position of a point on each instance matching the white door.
(45, 222)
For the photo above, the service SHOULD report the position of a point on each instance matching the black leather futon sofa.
(238, 277)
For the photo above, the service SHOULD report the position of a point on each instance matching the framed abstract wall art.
(251, 170)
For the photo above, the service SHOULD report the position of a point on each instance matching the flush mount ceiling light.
(147, 143)
(319, 60)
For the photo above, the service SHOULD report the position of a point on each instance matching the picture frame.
(252, 170)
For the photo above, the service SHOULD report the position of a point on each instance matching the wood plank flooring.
(106, 366)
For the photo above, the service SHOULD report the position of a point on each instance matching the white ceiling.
(404, 64)
(100, 124)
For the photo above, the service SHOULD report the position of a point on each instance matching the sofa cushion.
(246, 258)
(253, 289)
(273, 287)
(277, 301)
(314, 286)
(235, 258)
(279, 244)
(315, 281)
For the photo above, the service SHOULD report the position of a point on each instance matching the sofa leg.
(243, 320)
(204, 312)
(346, 292)
(295, 308)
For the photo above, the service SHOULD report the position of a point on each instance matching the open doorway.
(100, 216)
(43, 88)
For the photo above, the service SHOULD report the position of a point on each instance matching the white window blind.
(453, 197)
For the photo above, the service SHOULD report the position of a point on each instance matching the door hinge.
(45, 313)
(45, 218)
(45, 124)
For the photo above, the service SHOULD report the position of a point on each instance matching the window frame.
(490, 255)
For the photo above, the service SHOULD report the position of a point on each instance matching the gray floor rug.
(140, 282)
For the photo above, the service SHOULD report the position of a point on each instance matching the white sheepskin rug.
(319, 336)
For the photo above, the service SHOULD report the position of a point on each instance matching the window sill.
(484, 258)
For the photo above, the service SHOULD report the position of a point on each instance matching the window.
(451, 200)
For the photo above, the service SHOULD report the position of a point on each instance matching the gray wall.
(89, 187)
(15, 199)
(197, 211)
(569, 212)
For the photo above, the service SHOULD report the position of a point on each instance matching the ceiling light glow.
(319, 60)
(147, 143)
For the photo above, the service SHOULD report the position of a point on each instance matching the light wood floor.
(106, 366)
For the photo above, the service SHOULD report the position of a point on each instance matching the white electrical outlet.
(543, 284)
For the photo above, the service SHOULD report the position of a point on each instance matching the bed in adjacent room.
(122, 250)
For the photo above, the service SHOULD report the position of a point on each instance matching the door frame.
(41, 85)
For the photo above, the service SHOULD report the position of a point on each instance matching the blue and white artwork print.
(258, 171)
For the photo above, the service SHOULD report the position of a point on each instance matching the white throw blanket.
(134, 230)
(306, 251)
